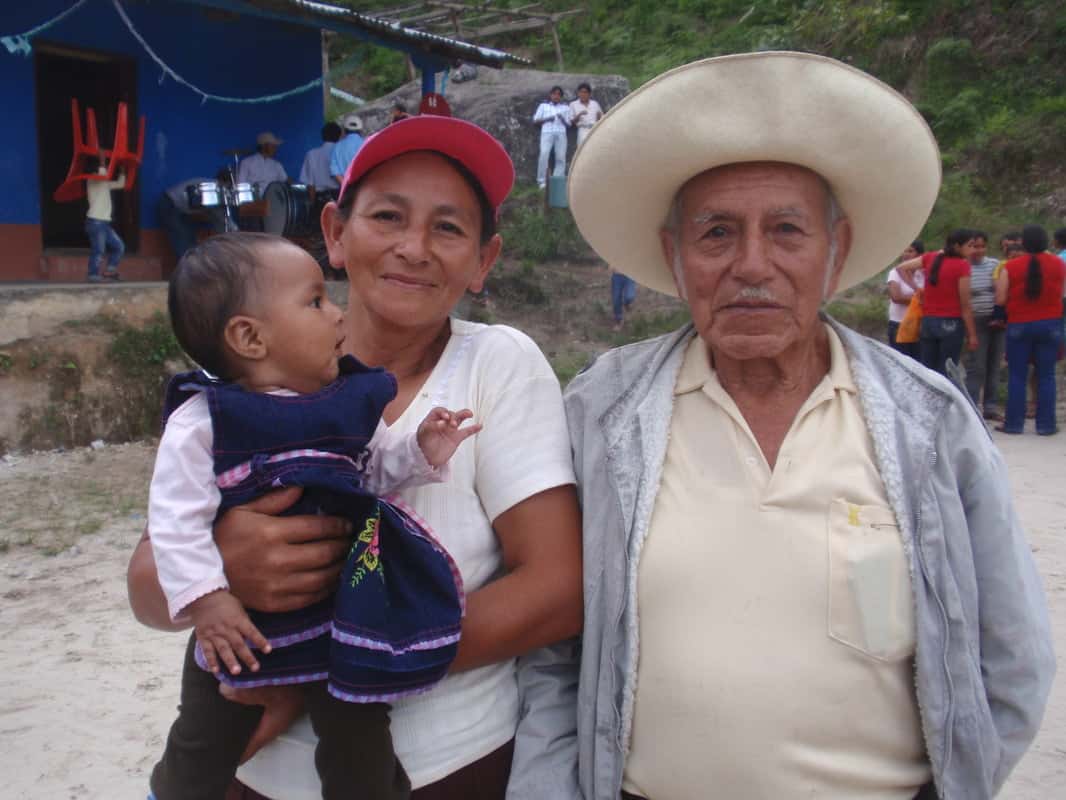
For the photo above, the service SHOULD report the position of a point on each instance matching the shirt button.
(750, 460)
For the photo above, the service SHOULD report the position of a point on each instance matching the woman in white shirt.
(415, 229)
(901, 288)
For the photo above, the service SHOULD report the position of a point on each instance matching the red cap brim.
(471, 146)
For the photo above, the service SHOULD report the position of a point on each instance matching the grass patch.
(568, 364)
(640, 326)
(866, 314)
(533, 234)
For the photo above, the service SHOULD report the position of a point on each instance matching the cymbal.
(236, 151)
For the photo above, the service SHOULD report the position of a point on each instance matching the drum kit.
(286, 209)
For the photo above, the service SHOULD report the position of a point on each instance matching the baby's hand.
(223, 630)
(439, 435)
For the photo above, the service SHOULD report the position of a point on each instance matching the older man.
(803, 573)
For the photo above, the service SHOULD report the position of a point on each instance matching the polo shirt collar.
(696, 372)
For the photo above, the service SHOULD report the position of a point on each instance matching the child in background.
(288, 409)
(102, 237)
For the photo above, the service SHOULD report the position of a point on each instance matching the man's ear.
(244, 338)
(490, 251)
(333, 224)
(842, 237)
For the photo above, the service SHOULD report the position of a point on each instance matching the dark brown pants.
(485, 779)
(210, 733)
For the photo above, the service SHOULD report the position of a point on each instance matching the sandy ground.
(86, 694)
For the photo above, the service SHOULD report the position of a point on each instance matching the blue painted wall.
(242, 57)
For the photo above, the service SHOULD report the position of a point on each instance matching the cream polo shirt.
(776, 618)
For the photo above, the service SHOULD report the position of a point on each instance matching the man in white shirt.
(261, 168)
(553, 117)
(585, 112)
(315, 170)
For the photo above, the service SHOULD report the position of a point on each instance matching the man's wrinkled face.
(752, 256)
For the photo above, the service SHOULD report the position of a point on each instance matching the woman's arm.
(147, 600)
(538, 601)
(908, 267)
(1002, 288)
(967, 313)
(896, 293)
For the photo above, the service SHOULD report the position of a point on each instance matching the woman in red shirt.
(947, 320)
(1030, 286)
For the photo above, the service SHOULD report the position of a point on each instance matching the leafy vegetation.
(989, 76)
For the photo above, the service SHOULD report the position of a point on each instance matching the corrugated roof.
(352, 23)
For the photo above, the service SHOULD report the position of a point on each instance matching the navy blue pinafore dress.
(392, 629)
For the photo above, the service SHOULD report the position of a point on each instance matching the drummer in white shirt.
(585, 112)
(262, 168)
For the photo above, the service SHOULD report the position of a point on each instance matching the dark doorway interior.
(99, 81)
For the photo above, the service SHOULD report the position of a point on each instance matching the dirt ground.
(86, 694)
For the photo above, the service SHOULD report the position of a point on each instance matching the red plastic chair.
(120, 157)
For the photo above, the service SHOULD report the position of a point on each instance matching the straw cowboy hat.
(266, 137)
(868, 142)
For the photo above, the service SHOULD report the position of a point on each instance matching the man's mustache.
(759, 294)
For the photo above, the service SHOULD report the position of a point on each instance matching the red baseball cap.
(471, 146)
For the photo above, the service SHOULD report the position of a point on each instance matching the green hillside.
(989, 76)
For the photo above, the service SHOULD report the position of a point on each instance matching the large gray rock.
(502, 102)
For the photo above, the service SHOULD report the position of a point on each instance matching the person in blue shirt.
(344, 151)
(1060, 243)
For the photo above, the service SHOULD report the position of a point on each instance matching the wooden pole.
(558, 47)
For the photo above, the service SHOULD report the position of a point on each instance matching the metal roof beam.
(428, 48)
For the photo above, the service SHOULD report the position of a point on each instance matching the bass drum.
(288, 210)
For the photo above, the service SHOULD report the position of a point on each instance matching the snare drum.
(288, 211)
(206, 194)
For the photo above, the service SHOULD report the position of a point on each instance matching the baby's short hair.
(212, 282)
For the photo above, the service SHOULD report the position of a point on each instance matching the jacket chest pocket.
(870, 604)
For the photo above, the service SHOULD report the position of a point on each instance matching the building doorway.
(99, 81)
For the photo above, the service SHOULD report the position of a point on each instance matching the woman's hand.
(281, 707)
(272, 563)
(281, 563)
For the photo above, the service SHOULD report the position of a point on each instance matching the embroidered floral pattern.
(369, 561)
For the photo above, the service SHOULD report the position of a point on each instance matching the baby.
(283, 407)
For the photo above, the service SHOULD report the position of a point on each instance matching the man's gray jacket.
(983, 664)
